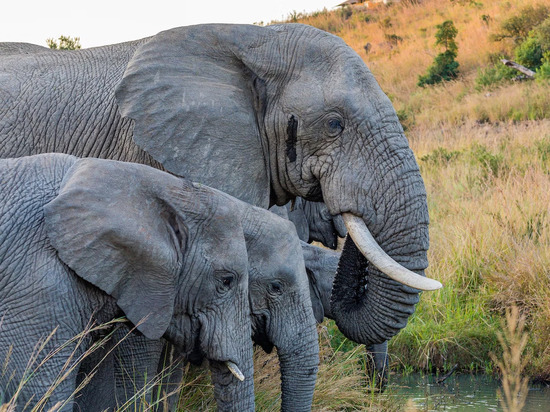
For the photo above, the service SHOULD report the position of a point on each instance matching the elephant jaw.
(365, 242)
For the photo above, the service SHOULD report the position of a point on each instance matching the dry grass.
(484, 154)
(512, 362)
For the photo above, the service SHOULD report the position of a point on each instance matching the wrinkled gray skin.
(263, 113)
(321, 267)
(313, 221)
(20, 48)
(94, 240)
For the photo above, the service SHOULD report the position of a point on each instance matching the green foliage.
(445, 36)
(494, 75)
(345, 12)
(492, 164)
(64, 43)
(518, 27)
(440, 156)
(445, 67)
(529, 53)
(543, 72)
(393, 39)
(385, 23)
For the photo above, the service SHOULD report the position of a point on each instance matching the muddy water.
(460, 392)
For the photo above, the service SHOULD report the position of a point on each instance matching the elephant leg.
(98, 394)
(378, 365)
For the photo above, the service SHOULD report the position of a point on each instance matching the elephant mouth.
(259, 332)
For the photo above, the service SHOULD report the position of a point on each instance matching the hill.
(483, 145)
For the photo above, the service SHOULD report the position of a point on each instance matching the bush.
(494, 75)
(518, 27)
(445, 67)
(543, 72)
(529, 53)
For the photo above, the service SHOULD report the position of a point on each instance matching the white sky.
(99, 22)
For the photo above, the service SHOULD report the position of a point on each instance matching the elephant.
(277, 289)
(321, 266)
(265, 114)
(20, 48)
(313, 221)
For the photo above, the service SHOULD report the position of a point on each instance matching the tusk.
(234, 370)
(373, 252)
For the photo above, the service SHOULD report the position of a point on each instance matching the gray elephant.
(321, 266)
(86, 239)
(313, 221)
(265, 114)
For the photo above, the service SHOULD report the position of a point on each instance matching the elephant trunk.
(297, 343)
(230, 392)
(299, 366)
(374, 294)
(368, 307)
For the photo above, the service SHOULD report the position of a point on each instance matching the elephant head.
(270, 113)
(282, 314)
(172, 255)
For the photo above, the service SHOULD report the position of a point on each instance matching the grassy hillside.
(484, 152)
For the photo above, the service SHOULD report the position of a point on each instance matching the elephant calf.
(89, 240)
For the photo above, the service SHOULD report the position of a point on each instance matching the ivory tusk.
(234, 369)
(365, 242)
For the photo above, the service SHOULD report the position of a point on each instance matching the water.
(461, 392)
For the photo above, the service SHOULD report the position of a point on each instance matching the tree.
(65, 43)
(445, 36)
(445, 67)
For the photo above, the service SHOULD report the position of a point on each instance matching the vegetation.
(64, 43)
(482, 141)
(483, 144)
(445, 67)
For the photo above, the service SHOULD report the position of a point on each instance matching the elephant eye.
(227, 281)
(335, 127)
(276, 288)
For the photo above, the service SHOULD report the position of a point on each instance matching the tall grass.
(484, 155)
(512, 362)
(40, 362)
(341, 385)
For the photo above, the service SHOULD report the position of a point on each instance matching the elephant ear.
(196, 96)
(315, 295)
(111, 226)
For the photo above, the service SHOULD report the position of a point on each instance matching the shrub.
(529, 53)
(518, 27)
(543, 72)
(440, 156)
(393, 39)
(494, 75)
(64, 43)
(445, 67)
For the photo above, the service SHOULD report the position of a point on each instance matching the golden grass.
(512, 362)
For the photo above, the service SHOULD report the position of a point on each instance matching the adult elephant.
(262, 113)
